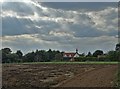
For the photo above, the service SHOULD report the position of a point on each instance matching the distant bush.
(113, 55)
(103, 59)
(82, 59)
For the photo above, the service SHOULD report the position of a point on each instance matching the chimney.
(76, 50)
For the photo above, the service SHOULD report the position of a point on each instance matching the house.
(71, 55)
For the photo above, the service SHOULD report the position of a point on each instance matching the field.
(59, 74)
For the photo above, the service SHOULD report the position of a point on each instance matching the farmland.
(61, 74)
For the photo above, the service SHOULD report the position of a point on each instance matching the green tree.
(112, 55)
(38, 58)
(12, 58)
(50, 54)
(58, 57)
(29, 57)
(5, 54)
(89, 54)
(97, 52)
(6, 50)
(19, 53)
(117, 47)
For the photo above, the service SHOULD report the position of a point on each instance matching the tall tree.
(97, 52)
(50, 56)
(19, 53)
(5, 54)
(29, 57)
(59, 57)
(117, 47)
(113, 55)
(6, 50)
(89, 54)
(12, 58)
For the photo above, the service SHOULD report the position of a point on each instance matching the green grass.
(66, 63)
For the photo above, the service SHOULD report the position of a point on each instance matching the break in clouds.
(35, 25)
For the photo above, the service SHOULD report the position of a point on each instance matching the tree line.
(34, 56)
(55, 55)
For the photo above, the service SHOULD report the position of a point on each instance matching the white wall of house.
(70, 56)
(76, 55)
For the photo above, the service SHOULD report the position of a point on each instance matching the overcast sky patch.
(63, 26)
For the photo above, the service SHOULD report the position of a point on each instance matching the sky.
(64, 26)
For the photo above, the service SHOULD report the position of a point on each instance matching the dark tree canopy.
(117, 47)
(89, 54)
(97, 52)
(19, 53)
(6, 50)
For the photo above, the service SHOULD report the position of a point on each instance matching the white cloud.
(100, 20)
(9, 14)
(39, 27)
(62, 29)
(25, 37)
(103, 19)
(60, 33)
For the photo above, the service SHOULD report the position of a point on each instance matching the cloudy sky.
(62, 26)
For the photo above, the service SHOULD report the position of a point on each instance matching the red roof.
(69, 54)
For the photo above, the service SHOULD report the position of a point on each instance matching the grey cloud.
(68, 18)
(58, 28)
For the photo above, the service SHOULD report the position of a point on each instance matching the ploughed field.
(34, 76)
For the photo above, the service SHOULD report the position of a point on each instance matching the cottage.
(70, 56)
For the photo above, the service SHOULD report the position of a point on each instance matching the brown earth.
(103, 77)
(35, 76)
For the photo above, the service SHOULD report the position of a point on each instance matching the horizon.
(73, 51)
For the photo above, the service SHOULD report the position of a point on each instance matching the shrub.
(82, 59)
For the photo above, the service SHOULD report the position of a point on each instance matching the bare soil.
(103, 77)
(35, 76)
